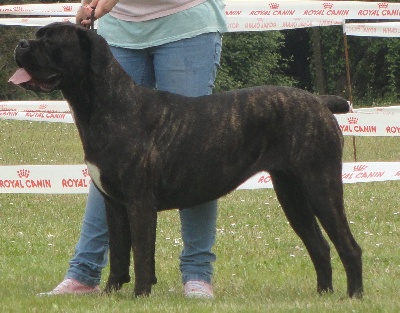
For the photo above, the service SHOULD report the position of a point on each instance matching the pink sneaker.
(71, 286)
(198, 289)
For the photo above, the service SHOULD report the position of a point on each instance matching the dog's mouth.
(22, 78)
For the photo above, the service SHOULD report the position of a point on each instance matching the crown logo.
(327, 5)
(274, 5)
(67, 8)
(360, 168)
(85, 172)
(383, 5)
(42, 106)
(23, 173)
(25, 20)
(353, 120)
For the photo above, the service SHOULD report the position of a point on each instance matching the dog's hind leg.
(302, 219)
(325, 194)
(120, 245)
(143, 223)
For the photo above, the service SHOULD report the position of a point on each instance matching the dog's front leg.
(120, 245)
(143, 235)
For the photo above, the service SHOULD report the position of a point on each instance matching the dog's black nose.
(23, 44)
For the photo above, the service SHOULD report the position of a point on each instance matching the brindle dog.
(150, 150)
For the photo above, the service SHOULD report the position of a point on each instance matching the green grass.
(261, 266)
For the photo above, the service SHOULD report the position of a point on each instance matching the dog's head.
(61, 55)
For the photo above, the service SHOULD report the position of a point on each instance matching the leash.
(92, 19)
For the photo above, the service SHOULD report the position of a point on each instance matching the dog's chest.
(94, 173)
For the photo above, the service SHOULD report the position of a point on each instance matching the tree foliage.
(374, 66)
(251, 59)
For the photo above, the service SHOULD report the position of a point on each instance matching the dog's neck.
(99, 88)
(97, 85)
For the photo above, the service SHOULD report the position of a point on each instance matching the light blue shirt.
(204, 18)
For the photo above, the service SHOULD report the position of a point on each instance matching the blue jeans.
(187, 67)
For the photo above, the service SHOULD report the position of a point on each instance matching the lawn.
(262, 265)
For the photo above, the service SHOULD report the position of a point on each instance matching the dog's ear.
(97, 49)
(50, 28)
(40, 32)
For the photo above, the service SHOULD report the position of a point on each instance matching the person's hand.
(101, 7)
(83, 12)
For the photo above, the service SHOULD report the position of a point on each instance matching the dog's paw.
(115, 284)
(357, 294)
(142, 291)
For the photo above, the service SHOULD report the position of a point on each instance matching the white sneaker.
(71, 286)
(198, 289)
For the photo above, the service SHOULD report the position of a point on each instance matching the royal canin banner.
(378, 121)
(61, 179)
(36, 111)
(387, 29)
(74, 179)
(242, 24)
(241, 15)
(53, 9)
(59, 106)
(369, 124)
(37, 116)
(36, 21)
(322, 9)
(253, 8)
(389, 110)
(353, 172)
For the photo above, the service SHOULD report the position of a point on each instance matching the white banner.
(35, 21)
(305, 9)
(241, 15)
(74, 179)
(265, 23)
(369, 124)
(253, 8)
(235, 24)
(391, 110)
(61, 179)
(360, 172)
(37, 116)
(388, 29)
(59, 9)
(59, 106)
(378, 121)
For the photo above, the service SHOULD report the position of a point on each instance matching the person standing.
(170, 45)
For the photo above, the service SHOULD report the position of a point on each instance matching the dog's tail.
(336, 104)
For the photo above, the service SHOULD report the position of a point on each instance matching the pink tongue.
(20, 76)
